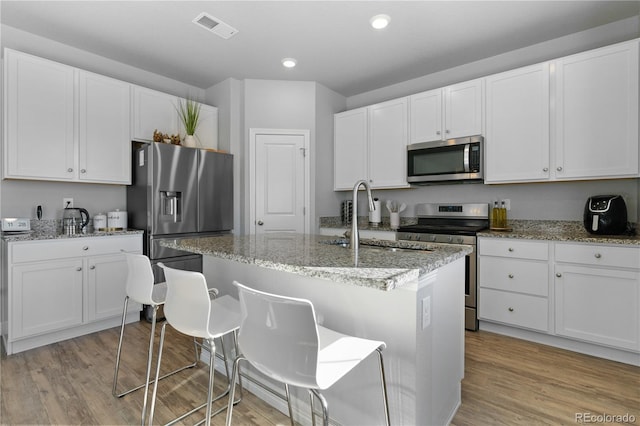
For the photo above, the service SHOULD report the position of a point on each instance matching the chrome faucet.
(355, 235)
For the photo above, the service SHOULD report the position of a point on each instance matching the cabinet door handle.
(83, 171)
(437, 132)
(85, 248)
(559, 168)
(510, 275)
(79, 268)
(92, 267)
(510, 248)
(447, 131)
(260, 223)
(597, 255)
(546, 169)
(558, 274)
(69, 169)
(510, 309)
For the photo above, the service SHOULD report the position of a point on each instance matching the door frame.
(253, 134)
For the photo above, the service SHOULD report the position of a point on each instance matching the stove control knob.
(458, 240)
(449, 239)
(432, 238)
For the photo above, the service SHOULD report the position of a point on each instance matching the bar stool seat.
(189, 310)
(141, 289)
(280, 337)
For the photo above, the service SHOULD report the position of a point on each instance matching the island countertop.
(321, 257)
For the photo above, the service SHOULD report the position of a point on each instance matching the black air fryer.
(605, 215)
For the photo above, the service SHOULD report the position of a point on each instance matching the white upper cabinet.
(64, 124)
(39, 131)
(517, 126)
(104, 129)
(388, 144)
(596, 113)
(574, 118)
(370, 143)
(425, 122)
(350, 148)
(451, 112)
(153, 110)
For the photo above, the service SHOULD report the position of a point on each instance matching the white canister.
(117, 220)
(100, 222)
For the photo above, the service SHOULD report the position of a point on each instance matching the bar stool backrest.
(187, 306)
(139, 285)
(279, 336)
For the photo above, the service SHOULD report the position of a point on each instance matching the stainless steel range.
(452, 224)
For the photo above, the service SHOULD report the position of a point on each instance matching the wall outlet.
(426, 312)
(67, 202)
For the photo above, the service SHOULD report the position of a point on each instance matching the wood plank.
(507, 382)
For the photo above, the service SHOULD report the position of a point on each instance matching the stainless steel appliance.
(178, 192)
(454, 160)
(74, 219)
(605, 215)
(453, 224)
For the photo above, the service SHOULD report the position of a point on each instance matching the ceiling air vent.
(215, 25)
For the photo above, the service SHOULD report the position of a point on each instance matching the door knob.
(260, 223)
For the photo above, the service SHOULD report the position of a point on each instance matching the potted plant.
(189, 113)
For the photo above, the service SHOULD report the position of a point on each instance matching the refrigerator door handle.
(174, 208)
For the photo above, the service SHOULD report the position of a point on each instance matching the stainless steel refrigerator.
(178, 192)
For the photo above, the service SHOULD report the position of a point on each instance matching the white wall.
(228, 96)
(328, 103)
(549, 201)
(19, 197)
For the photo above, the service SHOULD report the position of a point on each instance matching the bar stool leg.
(384, 387)
(115, 374)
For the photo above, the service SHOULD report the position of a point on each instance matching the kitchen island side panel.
(423, 376)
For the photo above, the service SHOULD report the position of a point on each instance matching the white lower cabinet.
(584, 293)
(45, 296)
(598, 297)
(513, 282)
(58, 289)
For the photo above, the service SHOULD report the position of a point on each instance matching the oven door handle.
(465, 160)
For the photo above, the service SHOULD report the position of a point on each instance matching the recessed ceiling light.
(380, 21)
(289, 62)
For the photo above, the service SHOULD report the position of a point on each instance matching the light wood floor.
(507, 381)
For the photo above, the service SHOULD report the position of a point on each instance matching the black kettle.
(74, 219)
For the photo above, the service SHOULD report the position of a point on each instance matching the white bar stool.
(140, 289)
(189, 310)
(280, 337)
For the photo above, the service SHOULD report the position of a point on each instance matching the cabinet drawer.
(522, 276)
(596, 255)
(507, 247)
(34, 251)
(514, 309)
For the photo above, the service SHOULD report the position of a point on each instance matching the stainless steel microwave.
(454, 160)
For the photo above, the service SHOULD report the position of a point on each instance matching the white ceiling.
(331, 40)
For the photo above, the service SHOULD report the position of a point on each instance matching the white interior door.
(280, 181)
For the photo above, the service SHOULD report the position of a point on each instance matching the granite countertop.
(550, 230)
(315, 256)
(38, 236)
(558, 230)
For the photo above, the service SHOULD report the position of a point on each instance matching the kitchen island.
(410, 295)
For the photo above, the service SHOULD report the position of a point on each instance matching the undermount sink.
(374, 247)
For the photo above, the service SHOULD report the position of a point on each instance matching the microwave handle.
(466, 157)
